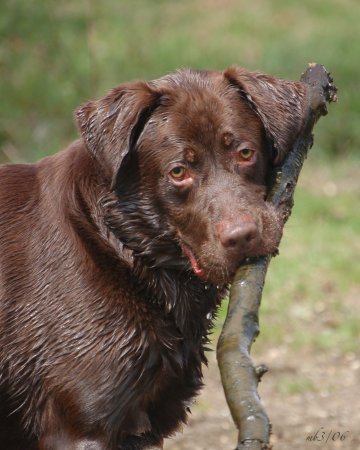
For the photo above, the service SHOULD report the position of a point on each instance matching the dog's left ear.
(281, 105)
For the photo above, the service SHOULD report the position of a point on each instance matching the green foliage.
(54, 55)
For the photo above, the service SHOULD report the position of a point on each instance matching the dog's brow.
(227, 139)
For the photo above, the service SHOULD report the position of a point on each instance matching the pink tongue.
(199, 272)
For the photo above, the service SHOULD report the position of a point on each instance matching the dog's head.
(187, 157)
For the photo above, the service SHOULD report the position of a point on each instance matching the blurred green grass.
(55, 55)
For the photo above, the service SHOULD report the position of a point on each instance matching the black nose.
(241, 238)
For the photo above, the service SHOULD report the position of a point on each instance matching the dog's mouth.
(223, 276)
(197, 269)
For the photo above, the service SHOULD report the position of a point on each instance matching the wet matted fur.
(116, 252)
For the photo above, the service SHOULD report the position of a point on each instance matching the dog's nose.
(240, 238)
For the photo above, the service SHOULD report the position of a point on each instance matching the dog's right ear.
(111, 125)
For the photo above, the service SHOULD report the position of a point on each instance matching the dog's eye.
(178, 172)
(181, 177)
(246, 154)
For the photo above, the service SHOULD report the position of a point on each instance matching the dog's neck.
(180, 295)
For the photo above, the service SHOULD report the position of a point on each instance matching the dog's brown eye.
(246, 154)
(178, 172)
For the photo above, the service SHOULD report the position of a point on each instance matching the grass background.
(54, 55)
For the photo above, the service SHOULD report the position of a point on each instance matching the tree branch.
(239, 376)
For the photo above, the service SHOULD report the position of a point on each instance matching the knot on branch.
(260, 370)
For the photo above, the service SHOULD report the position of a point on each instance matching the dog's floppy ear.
(111, 125)
(281, 105)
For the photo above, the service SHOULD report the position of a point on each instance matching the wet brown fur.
(103, 321)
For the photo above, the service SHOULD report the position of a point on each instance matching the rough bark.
(239, 375)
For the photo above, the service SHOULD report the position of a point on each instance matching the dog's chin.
(222, 272)
(216, 274)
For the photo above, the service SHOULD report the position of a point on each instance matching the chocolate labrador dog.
(115, 253)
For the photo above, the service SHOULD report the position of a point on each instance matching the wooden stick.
(239, 375)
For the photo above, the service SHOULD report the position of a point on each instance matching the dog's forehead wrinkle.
(199, 117)
(180, 139)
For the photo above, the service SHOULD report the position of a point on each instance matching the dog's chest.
(158, 372)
